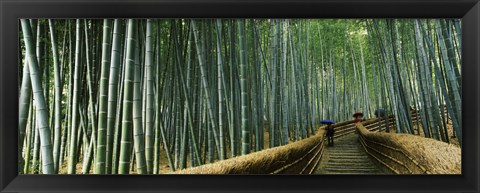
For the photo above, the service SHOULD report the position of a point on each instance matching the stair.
(347, 156)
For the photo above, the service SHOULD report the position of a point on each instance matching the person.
(380, 113)
(358, 117)
(330, 134)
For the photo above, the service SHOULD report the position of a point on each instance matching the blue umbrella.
(327, 121)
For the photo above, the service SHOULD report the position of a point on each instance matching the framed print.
(239, 96)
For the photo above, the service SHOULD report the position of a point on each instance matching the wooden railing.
(348, 127)
(393, 158)
(309, 162)
(387, 150)
(305, 164)
(301, 157)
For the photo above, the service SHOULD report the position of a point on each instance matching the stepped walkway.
(362, 148)
(347, 156)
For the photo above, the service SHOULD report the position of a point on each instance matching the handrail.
(296, 161)
(347, 129)
(405, 155)
(402, 152)
(320, 150)
(384, 155)
(378, 159)
(344, 129)
(314, 152)
(318, 161)
(274, 156)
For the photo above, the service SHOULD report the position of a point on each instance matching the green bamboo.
(38, 95)
(201, 54)
(24, 110)
(138, 133)
(149, 133)
(126, 132)
(103, 100)
(58, 97)
(112, 96)
(72, 157)
(243, 89)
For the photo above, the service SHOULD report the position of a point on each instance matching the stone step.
(329, 167)
(347, 152)
(359, 151)
(346, 170)
(336, 147)
(343, 146)
(343, 170)
(334, 157)
(350, 161)
(348, 164)
(347, 156)
(343, 163)
(350, 173)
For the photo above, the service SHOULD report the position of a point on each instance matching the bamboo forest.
(248, 96)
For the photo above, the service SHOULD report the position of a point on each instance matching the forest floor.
(164, 166)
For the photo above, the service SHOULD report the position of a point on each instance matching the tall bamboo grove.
(132, 96)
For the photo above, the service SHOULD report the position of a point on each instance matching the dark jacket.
(330, 130)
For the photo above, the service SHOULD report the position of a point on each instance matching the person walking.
(330, 134)
(380, 113)
(330, 130)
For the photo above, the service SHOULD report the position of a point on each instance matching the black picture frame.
(12, 10)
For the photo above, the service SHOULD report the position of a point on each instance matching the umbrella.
(380, 113)
(327, 121)
(357, 114)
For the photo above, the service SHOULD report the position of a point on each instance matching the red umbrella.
(357, 114)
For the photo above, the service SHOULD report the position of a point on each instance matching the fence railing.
(301, 157)
(408, 154)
